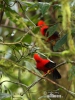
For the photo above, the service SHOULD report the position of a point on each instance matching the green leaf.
(57, 6)
(27, 39)
(73, 32)
(43, 8)
(14, 17)
(5, 66)
(63, 40)
(51, 30)
(72, 73)
(1, 38)
(60, 42)
(4, 95)
(31, 66)
(10, 10)
(36, 30)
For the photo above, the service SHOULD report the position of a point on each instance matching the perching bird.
(45, 65)
(43, 29)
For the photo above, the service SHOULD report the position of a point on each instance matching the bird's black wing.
(55, 73)
(50, 65)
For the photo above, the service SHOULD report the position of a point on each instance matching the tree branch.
(41, 77)
(12, 28)
(44, 77)
(15, 42)
(18, 83)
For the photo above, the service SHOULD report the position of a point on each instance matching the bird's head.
(37, 57)
(41, 23)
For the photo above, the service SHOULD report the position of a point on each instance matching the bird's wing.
(56, 74)
(50, 65)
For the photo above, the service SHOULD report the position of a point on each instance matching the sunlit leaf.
(1, 38)
(8, 54)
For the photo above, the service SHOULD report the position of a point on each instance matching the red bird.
(44, 28)
(45, 65)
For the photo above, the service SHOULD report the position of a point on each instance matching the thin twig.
(59, 65)
(18, 83)
(12, 28)
(18, 29)
(15, 42)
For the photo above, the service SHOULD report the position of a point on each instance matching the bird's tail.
(56, 74)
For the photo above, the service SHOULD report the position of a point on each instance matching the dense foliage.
(20, 38)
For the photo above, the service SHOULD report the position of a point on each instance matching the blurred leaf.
(8, 54)
(31, 66)
(73, 31)
(14, 17)
(13, 33)
(7, 1)
(52, 29)
(36, 30)
(42, 54)
(1, 38)
(63, 40)
(32, 7)
(1, 74)
(16, 47)
(4, 95)
(60, 42)
(18, 39)
(25, 3)
(56, 6)
(8, 9)
(1, 51)
(72, 72)
(8, 66)
(33, 19)
(27, 39)
(43, 8)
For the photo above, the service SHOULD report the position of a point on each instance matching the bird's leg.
(48, 72)
(53, 42)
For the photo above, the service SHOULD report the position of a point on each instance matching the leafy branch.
(41, 77)
(20, 41)
(17, 83)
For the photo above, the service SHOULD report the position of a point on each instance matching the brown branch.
(12, 28)
(2, 11)
(44, 77)
(59, 65)
(15, 42)
(19, 29)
